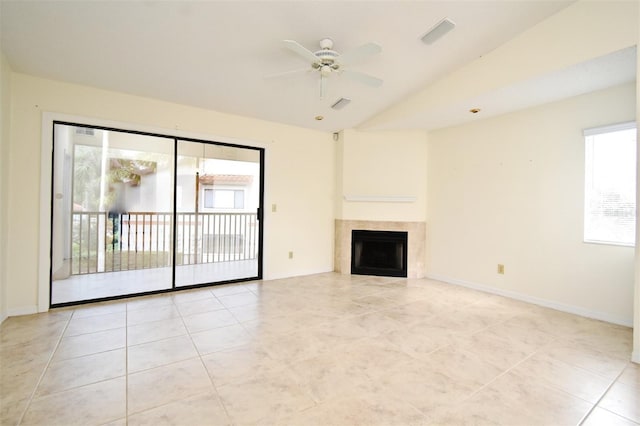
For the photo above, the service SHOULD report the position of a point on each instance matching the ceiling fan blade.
(367, 79)
(286, 73)
(296, 47)
(359, 53)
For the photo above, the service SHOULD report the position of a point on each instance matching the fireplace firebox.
(381, 253)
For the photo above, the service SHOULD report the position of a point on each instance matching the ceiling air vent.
(341, 103)
(438, 30)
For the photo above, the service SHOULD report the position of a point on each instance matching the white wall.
(510, 190)
(382, 164)
(5, 125)
(302, 189)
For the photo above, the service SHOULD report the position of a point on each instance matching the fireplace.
(416, 239)
(382, 253)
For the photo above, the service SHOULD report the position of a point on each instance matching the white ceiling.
(215, 54)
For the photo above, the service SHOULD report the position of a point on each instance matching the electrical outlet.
(500, 269)
(290, 255)
(274, 208)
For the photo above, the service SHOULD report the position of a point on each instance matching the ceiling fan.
(327, 61)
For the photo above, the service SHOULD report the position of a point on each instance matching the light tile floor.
(324, 349)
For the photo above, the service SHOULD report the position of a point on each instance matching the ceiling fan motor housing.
(326, 43)
(326, 56)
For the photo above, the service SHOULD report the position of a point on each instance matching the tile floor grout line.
(593, 407)
(584, 369)
(213, 385)
(632, 421)
(555, 339)
(167, 364)
(161, 339)
(44, 371)
(173, 304)
(507, 370)
(215, 388)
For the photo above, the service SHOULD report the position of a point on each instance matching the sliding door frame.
(176, 139)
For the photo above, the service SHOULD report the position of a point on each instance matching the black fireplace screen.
(382, 253)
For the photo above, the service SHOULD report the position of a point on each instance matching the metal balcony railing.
(109, 242)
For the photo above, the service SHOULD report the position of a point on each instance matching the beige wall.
(510, 190)
(382, 164)
(302, 189)
(5, 105)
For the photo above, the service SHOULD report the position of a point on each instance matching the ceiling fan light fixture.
(438, 31)
(341, 103)
(325, 70)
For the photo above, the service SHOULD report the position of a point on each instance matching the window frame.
(595, 131)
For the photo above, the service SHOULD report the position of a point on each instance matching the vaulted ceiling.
(216, 54)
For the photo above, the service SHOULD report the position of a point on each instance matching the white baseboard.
(635, 357)
(572, 309)
(22, 310)
(269, 277)
(3, 316)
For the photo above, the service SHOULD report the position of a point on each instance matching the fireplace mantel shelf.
(380, 199)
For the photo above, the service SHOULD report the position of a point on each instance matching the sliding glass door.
(217, 200)
(136, 213)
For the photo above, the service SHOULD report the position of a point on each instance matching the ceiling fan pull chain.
(322, 85)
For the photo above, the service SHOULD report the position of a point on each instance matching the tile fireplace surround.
(416, 243)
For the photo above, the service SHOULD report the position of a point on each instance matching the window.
(224, 198)
(208, 198)
(610, 184)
